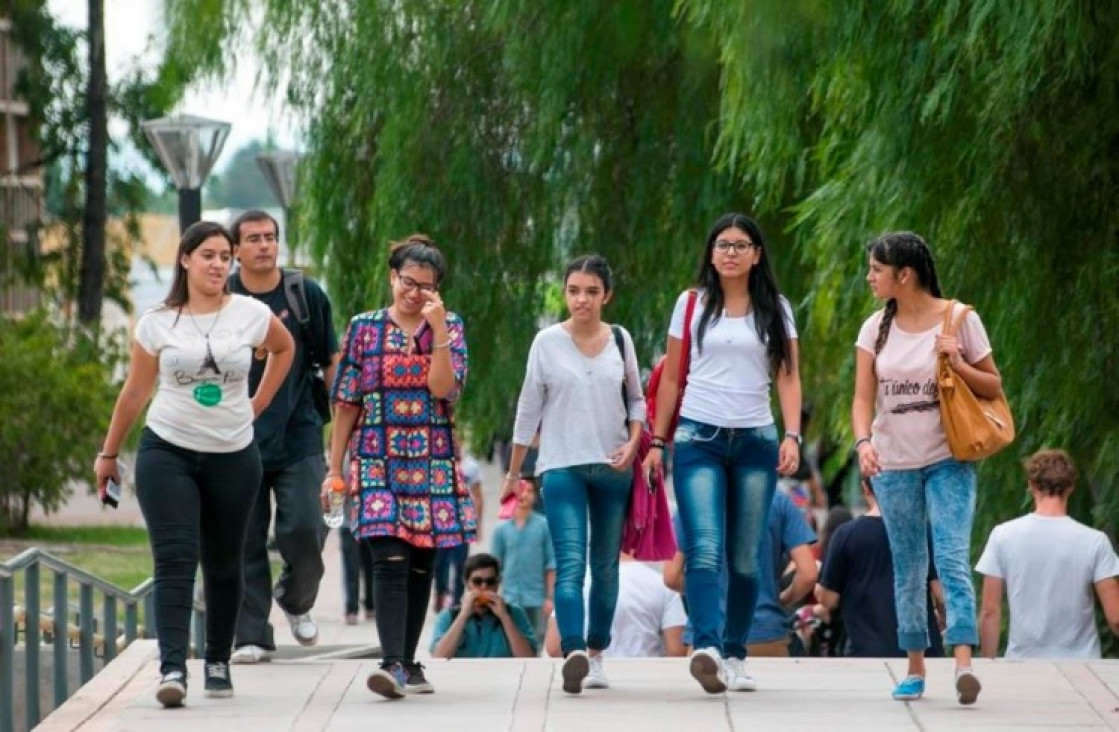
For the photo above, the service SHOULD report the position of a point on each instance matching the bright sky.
(134, 36)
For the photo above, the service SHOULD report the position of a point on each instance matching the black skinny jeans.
(196, 504)
(402, 576)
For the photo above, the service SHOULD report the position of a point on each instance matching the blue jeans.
(940, 496)
(568, 495)
(725, 479)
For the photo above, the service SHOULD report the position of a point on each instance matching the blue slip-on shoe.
(911, 688)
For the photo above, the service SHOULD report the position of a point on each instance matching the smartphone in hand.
(111, 495)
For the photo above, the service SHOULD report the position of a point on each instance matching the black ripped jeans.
(402, 576)
(196, 506)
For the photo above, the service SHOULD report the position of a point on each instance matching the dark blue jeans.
(569, 495)
(196, 506)
(448, 560)
(724, 478)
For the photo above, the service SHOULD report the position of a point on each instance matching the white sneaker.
(596, 677)
(706, 667)
(738, 676)
(251, 654)
(303, 629)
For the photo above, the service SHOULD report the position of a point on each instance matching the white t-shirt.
(202, 399)
(1050, 566)
(907, 431)
(728, 383)
(645, 608)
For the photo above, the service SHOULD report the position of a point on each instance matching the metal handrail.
(34, 622)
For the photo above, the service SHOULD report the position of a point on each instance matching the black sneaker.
(172, 689)
(218, 685)
(416, 682)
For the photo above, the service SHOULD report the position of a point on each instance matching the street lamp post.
(188, 146)
(279, 170)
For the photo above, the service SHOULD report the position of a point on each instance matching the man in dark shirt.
(289, 434)
(858, 577)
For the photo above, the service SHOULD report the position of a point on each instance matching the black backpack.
(316, 362)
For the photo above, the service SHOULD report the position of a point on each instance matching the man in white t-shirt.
(1050, 564)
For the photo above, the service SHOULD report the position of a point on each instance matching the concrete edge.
(88, 700)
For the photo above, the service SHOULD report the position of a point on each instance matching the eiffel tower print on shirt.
(209, 363)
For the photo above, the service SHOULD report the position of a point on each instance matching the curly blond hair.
(1051, 471)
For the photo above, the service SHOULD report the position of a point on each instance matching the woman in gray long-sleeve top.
(572, 395)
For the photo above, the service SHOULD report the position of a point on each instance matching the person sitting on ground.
(858, 579)
(648, 622)
(484, 625)
(1049, 564)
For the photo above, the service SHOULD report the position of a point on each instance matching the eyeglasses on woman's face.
(410, 284)
(738, 246)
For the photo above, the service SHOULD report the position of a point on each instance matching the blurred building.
(21, 179)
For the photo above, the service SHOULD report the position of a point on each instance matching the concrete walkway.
(655, 694)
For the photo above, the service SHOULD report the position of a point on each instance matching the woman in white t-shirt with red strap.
(905, 451)
(198, 468)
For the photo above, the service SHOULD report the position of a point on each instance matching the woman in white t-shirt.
(572, 397)
(905, 452)
(727, 449)
(197, 469)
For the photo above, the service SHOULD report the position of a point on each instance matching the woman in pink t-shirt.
(905, 451)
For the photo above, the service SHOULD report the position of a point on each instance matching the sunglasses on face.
(490, 582)
(410, 284)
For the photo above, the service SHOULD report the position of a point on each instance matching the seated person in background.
(858, 578)
(483, 625)
(787, 539)
(648, 621)
(1049, 564)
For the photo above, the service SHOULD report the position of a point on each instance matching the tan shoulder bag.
(976, 427)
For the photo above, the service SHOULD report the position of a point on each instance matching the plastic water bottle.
(333, 518)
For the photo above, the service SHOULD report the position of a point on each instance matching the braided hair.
(765, 297)
(903, 249)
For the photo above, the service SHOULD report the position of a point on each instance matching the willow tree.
(992, 129)
(515, 133)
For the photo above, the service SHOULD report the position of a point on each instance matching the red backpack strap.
(686, 341)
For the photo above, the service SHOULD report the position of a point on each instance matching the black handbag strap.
(620, 342)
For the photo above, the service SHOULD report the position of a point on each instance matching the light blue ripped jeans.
(940, 496)
(725, 478)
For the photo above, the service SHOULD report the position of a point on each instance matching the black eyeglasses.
(740, 247)
(411, 284)
(483, 581)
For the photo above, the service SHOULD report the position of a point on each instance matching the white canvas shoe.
(251, 654)
(596, 677)
(303, 629)
(738, 675)
(706, 666)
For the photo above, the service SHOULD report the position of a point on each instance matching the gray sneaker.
(575, 668)
(172, 689)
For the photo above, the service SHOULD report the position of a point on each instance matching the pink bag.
(647, 533)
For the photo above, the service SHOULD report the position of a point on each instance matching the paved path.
(653, 694)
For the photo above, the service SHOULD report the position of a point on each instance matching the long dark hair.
(765, 297)
(903, 249)
(192, 238)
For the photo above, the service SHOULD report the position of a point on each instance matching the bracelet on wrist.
(860, 441)
(107, 456)
(656, 442)
(444, 344)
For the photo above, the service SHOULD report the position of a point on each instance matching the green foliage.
(54, 86)
(519, 133)
(58, 398)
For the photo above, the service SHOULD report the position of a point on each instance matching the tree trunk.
(91, 285)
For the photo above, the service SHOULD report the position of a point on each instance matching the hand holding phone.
(110, 494)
